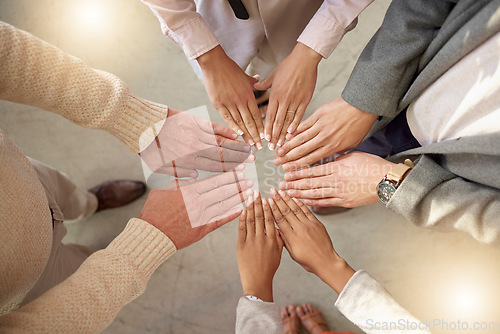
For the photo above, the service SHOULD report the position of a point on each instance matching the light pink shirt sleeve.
(180, 21)
(330, 23)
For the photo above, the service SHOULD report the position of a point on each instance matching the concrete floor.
(437, 276)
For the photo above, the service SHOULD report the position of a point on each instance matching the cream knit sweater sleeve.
(36, 73)
(88, 301)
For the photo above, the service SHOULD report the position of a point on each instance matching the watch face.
(385, 190)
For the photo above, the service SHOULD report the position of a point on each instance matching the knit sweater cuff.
(145, 246)
(139, 116)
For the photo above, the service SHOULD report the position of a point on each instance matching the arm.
(361, 299)
(180, 21)
(89, 299)
(259, 254)
(294, 80)
(431, 196)
(387, 65)
(36, 73)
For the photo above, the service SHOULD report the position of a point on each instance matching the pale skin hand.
(308, 242)
(187, 143)
(335, 127)
(230, 91)
(189, 210)
(350, 181)
(292, 86)
(259, 249)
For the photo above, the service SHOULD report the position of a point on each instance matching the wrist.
(210, 57)
(336, 274)
(262, 291)
(303, 51)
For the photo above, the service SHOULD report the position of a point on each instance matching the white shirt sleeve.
(369, 306)
(330, 23)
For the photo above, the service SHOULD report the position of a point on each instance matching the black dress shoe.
(112, 194)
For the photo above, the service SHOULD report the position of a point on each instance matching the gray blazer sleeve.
(389, 62)
(431, 196)
(258, 317)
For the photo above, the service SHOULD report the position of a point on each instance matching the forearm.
(180, 21)
(89, 300)
(387, 65)
(39, 74)
(330, 23)
(369, 306)
(431, 196)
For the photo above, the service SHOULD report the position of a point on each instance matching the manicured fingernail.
(288, 136)
(251, 158)
(272, 146)
(290, 129)
(250, 183)
(288, 176)
(264, 203)
(255, 194)
(249, 192)
(307, 202)
(240, 132)
(258, 146)
(249, 200)
(283, 185)
(281, 142)
(250, 142)
(234, 136)
(282, 193)
(240, 175)
(280, 151)
(273, 191)
(277, 161)
(268, 137)
(240, 167)
(262, 136)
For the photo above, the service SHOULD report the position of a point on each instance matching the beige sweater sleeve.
(36, 73)
(89, 300)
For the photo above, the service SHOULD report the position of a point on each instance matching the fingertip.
(283, 185)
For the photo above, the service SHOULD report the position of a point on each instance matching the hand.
(292, 86)
(231, 93)
(335, 127)
(350, 181)
(189, 210)
(259, 249)
(187, 143)
(308, 242)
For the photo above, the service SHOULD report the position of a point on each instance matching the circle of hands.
(189, 206)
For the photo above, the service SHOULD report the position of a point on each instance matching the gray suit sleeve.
(387, 65)
(431, 196)
(258, 317)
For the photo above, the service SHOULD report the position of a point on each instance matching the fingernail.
(261, 136)
(258, 146)
(240, 175)
(280, 151)
(307, 202)
(249, 200)
(290, 129)
(281, 142)
(282, 193)
(240, 167)
(240, 132)
(268, 137)
(288, 136)
(288, 176)
(255, 194)
(250, 183)
(234, 136)
(273, 191)
(272, 146)
(250, 142)
(264, 202)
(282, 184)
(249, 192)
(251, 158)
(277, 161)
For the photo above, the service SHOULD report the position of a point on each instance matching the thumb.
(254, 79)
(266, 84)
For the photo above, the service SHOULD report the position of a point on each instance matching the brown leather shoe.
(112, 194)
(328, 210)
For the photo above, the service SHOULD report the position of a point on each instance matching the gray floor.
(437, 276)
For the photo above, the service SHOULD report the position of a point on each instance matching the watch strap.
(399, 171)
